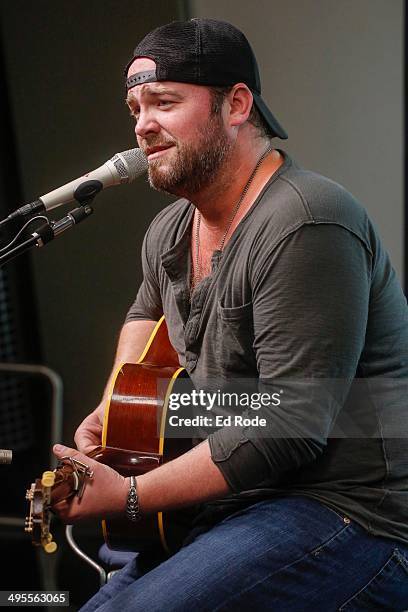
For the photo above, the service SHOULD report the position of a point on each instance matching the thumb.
(65, 451)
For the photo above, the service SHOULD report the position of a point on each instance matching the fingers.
(61, 509)
(86, 441)
(86, 449)
(64, 451)
(89, 433)
(105, 494)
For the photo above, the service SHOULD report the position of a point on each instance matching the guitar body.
(134, 442)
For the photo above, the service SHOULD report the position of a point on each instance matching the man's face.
(185, 142)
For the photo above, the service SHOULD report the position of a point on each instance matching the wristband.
(132, 505)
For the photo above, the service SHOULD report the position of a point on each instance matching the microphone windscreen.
(130, 164)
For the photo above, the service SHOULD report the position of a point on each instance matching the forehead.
(180, 90)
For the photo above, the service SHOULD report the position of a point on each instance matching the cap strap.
(148, 76)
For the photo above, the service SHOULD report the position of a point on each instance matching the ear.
(240, 101)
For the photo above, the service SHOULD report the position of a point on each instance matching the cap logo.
(148, 76)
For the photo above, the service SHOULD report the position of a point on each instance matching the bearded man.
(262, 270)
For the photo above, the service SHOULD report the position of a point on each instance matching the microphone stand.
(47, 232)
(84, 194)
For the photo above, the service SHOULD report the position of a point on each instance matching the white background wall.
(332, 71)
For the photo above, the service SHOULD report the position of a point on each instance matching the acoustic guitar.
(133, 442)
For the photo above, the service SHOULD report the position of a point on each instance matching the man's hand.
(89, 433)
(105, 494)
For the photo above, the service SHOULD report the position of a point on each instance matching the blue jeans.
(287, 554)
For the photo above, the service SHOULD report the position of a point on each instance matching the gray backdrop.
(332, 70)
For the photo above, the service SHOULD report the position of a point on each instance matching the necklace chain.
(196, 276)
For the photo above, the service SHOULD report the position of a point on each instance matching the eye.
(164, 102)
(134, 114)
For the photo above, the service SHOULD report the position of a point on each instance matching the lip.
(157, 151)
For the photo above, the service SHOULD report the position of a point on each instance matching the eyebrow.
(156, 92)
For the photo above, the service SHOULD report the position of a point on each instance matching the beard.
(194, 165)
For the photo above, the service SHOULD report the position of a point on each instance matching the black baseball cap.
(203, 52)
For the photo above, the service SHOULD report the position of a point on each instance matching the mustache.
(147, 144)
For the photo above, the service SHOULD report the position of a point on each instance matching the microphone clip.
(48, 231)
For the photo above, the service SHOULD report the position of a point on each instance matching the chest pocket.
(235, 339)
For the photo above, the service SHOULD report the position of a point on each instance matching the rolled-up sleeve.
(310, 306)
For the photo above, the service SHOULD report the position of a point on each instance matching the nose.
(146, 124)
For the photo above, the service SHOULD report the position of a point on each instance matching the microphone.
(123, 167)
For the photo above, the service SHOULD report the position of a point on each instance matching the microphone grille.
(130, 164)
